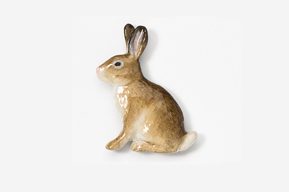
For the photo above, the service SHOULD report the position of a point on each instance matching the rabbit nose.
(97, 70)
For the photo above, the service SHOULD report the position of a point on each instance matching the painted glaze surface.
(152, 119)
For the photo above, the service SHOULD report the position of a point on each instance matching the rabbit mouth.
(100, 74)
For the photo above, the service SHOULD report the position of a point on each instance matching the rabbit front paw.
(113, 145)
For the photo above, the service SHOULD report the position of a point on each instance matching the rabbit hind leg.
(143, 146)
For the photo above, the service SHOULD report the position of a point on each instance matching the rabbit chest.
(128, 96)
(131, 96)
(122, 97)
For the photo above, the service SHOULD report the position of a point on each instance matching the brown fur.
(152, 119)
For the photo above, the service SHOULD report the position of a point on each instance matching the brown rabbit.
(152, 119)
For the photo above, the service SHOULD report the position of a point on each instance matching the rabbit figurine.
(152, 119)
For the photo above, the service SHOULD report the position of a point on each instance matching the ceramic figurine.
(152, 120)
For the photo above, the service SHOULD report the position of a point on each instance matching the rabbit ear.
(128, 30)
(138, 41)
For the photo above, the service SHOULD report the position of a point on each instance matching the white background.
(40, 105)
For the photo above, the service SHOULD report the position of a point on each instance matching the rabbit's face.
(120, 70)
(123, 69)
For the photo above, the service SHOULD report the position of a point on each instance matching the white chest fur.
(121, 96)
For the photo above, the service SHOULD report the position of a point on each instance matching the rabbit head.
(123, 69)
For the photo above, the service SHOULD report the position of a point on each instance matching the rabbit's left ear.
(138, 41)
(128, 31)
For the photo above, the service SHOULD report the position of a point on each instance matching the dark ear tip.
(128, 25)
(141, 28)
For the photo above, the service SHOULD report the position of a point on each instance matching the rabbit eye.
(118, 64)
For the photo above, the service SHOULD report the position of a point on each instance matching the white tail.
(188, 140)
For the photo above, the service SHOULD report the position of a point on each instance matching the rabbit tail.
(187, 141)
